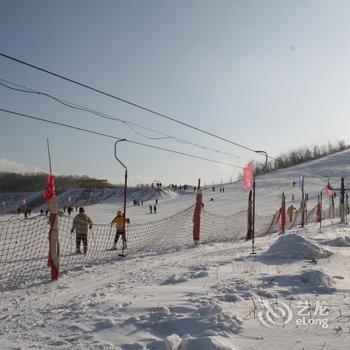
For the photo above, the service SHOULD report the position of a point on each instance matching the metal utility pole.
(126, 178)
(266, 157)
(49, 154)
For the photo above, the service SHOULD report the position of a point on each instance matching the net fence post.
(197, 215)
(342, 201)
(54, 247)
(253, 218)
(249, 217)
(283, 214)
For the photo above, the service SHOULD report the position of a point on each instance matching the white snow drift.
(295, 246)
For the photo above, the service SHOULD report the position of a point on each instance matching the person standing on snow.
(81, 225)
(290, 212)
(118, 221)
(150, 208)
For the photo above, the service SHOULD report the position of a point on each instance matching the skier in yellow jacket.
(118, 221)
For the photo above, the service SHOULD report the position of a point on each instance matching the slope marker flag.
(329, 190)
(50, 188)
(248, 176)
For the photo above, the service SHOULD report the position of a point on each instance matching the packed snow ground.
(206, 297)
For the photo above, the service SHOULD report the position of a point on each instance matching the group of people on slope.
(82, 223)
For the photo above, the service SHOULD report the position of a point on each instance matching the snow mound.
(174, 279)
(172, 342)
(207, 343)
(338, 242)
(199, 274)
(294, 246)
(109, 322)
(316, 278)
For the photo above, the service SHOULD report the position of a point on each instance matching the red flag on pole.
(50, 188)
(196, 219)
(248, 176)
(329, 190)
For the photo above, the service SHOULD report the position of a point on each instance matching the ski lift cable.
(134, 104)
(130, 125)
(116, 138)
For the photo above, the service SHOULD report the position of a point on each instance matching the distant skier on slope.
(81, 225)
(118, 221)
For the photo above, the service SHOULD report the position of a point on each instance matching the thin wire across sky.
(134, 104)
(39, 119)
(24, 89)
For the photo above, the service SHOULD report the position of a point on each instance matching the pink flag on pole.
(248, 176)
(329, 190)
(4, 204)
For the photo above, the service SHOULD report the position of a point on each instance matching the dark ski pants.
(117, 235)
(78, 240)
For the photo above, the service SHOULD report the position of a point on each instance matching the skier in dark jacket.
(81, 225)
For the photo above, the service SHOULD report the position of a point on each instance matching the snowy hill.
(269, 189)
(83, 197)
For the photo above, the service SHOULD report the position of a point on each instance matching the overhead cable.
(134, 104)
(115, 137)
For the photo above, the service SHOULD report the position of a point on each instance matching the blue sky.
(272, 75)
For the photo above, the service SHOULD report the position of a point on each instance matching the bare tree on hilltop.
(298, 156)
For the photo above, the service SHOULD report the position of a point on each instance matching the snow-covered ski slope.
(103, 203)
(269, 188)
(206, 297)
(82, 197)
